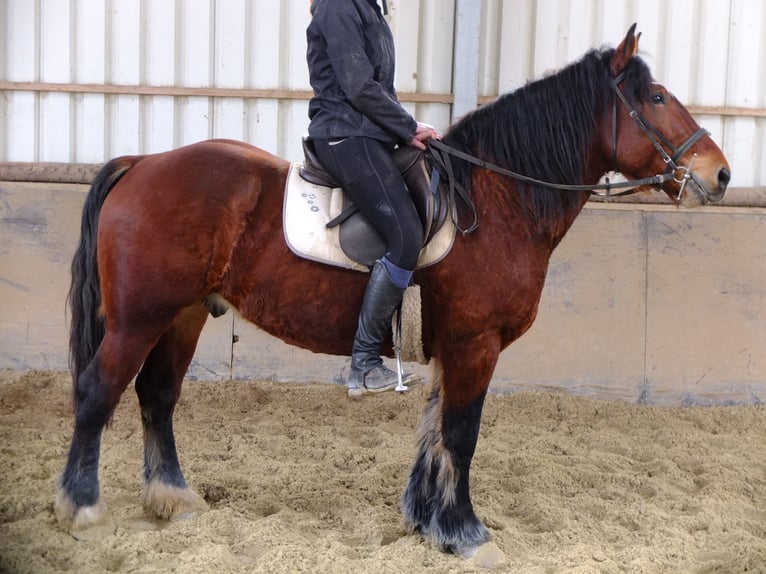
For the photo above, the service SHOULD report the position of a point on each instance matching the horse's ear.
(625, 51)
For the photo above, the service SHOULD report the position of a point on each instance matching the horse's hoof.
(86, 522)
(187, 513)
(93, 532)
(171, 502)
(91, 523)
(487, 556)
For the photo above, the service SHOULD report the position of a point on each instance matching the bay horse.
(162, 234)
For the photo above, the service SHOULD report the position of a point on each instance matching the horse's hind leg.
(437, 500)
(158, 386)
(98, 389)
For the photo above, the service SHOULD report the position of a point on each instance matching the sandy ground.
(299, 479)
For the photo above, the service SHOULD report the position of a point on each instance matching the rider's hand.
(423, 133)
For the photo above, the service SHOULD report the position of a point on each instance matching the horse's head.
(653, 133)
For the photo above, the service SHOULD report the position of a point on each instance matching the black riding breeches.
(364, 168)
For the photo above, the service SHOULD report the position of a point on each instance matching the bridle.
(440, 153)
(679, 173)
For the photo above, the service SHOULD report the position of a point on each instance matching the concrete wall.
(643, 303)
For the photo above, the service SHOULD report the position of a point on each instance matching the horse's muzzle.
(716, 195)
(701, 191)
(724, 177)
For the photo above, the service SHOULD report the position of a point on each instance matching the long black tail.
(87, 326)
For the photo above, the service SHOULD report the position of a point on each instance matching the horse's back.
(212, 156)
(209, 178)
(220, 158)
(235, 147)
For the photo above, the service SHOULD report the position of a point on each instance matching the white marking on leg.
(171, 502)
(446, 480)
(86, 522)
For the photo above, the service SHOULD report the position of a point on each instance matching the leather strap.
(439, 154)
(658, 179)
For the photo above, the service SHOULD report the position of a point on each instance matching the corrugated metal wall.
(186, 70)
(710, 53)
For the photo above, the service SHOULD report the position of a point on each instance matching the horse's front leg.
(437, 500)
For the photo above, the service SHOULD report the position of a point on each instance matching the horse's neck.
(550, 230)
(560, 227)
(502, 190)
(595, 169)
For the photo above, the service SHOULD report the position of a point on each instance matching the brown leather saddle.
(358, 238)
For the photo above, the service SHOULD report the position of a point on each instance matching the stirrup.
(379, 379)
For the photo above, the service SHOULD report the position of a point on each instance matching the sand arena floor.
(299, 479)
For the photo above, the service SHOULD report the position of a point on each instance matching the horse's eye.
(658, 98)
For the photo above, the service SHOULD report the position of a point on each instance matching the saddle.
(358, 238)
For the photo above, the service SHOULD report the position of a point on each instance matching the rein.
(440, 153)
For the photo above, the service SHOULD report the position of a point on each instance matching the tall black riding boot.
(368, 374)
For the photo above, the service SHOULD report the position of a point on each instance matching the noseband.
(679, 173)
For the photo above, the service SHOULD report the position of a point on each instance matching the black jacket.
(351, 67)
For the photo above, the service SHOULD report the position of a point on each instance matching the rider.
(356, 121)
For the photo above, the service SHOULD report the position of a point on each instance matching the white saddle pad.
(307, 210)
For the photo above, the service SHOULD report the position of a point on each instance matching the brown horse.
(163, 235)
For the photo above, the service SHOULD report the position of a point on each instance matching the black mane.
(543, 130)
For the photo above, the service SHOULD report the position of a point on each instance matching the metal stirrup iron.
(400, 387)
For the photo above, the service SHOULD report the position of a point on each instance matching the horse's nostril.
(724, 176)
